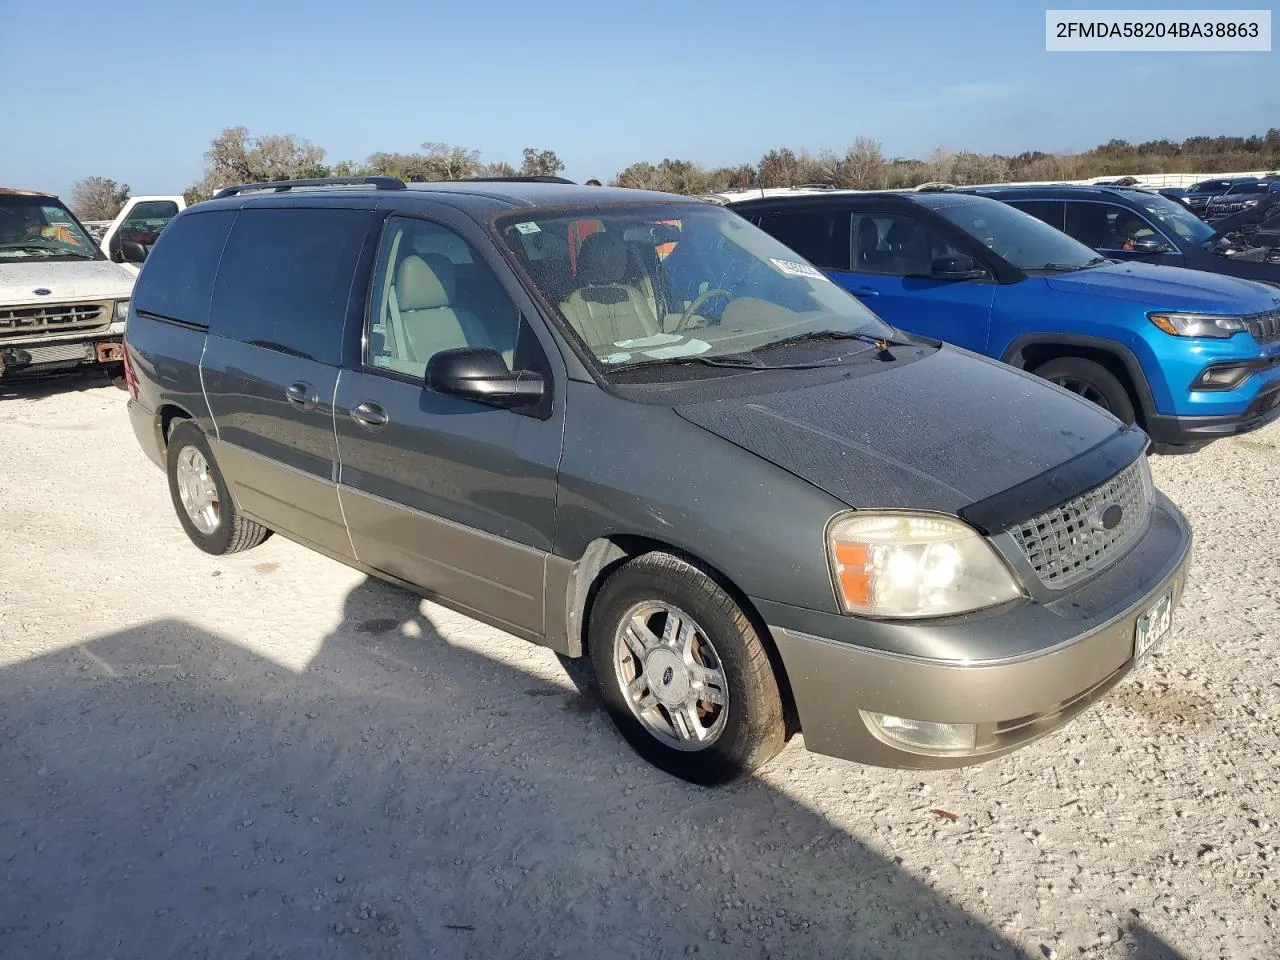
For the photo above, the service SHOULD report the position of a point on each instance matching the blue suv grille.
(1265, 327)
(1068, 543)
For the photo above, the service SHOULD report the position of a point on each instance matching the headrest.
(424, 283)
(602, 259)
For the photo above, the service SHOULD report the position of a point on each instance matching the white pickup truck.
(141, 221)
(62, 301)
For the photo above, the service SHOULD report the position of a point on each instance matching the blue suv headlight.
(1197, 324)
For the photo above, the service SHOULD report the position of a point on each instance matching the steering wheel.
(698, 301)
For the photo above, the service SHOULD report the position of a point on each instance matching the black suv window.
(178, 281)
(1107, 226)
(896, 244)
(1050, 211)
(285, 279)
(432, 292)
(821, 237)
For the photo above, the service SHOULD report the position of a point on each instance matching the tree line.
(236, 156)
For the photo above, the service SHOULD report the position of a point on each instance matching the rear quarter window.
(177, 281)
(285, 279)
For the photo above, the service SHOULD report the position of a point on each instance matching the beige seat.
(427, 318)
(606, 309)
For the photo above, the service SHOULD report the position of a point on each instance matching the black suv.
(1199, 194)
(751, 503)
(1125, 223)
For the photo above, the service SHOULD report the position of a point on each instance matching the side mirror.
(480, 374)
(1150, 246)
(131, 251)
(956, 266)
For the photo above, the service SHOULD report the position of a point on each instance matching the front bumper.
(1086, 646)
(1168, 431)
(34, 357)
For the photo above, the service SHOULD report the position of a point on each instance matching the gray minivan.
(632, 426)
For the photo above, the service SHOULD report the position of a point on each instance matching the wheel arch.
(169, 414)
(606, 554)
(1031, 350)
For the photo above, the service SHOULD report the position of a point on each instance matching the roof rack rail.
(282, 186)
(515, 179)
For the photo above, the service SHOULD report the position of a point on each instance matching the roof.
(15, 192)
(458, 193)
(1058, 191)
(816, 198)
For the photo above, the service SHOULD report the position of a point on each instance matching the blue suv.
(1188, 356)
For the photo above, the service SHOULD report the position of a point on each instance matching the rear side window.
(1050, 211)
(821, 238)
(177, 282)
(285, 279)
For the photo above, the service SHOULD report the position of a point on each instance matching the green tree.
(540, 163)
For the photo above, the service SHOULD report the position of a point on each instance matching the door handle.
(865, 292)
(300, 395)
(369, 414)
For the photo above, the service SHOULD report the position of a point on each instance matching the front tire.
(683, 672)
(1092, 381)
(201, 498)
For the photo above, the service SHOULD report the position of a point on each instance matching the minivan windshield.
(40, 227)
(1023, 240)
(1176, 217)
(657, 283)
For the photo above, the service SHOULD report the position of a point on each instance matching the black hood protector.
(954, 433)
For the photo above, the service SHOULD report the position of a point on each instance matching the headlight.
(122, 309)
(1197, 324)
(914, 565)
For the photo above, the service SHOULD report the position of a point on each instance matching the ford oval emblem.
(42, 291)
(1106, 516)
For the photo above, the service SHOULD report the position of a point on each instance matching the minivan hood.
(1158, 287)
(939, 433)
(66, 280)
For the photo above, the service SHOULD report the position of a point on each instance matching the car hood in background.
(1268, 209)
(937, 434)
(1167, 288)
(66, 280)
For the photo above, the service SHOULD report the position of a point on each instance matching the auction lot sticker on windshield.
(528, 227)
(793, 269)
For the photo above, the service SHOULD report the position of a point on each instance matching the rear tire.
(201, 498)
(683, 672)
(1092, 381)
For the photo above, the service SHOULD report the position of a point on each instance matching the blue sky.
(135, 90)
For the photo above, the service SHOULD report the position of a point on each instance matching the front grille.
(1066, 544)
(52, 318)
(1264, 327)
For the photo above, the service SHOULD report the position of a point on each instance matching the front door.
(1119, 233)
(892, 263)
(454, 496)
(271, 362)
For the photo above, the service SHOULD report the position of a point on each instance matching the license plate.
(1153, 625)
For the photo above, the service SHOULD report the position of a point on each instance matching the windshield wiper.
(1071, 267)
(881, 343)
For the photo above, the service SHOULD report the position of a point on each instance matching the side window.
(432, 292)
(285, 278)
(896, 245)
(822, 238)
(178, 280)
(1106, 226)
(146, 220)
(1051, 212)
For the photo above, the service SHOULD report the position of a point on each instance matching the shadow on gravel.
(41, 388)
(166, 793)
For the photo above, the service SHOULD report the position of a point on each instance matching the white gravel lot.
(269, 755)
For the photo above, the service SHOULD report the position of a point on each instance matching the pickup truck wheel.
(1092, 381)
(682, 671)
(201, 498)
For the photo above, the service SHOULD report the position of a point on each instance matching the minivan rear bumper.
(146, 427)
(1013, 701)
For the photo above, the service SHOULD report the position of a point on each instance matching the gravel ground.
(270, 755)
